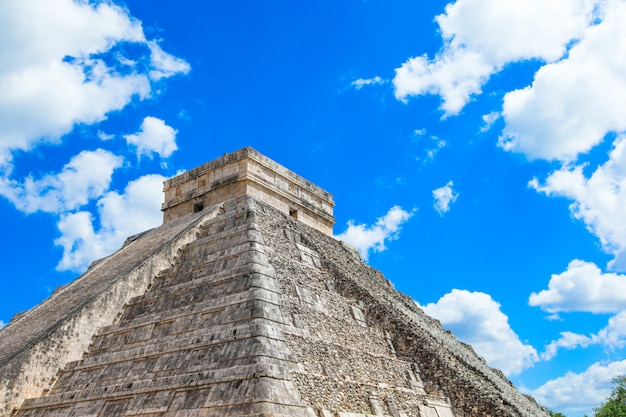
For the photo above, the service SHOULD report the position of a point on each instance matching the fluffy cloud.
(454, 75)
(64, 63)
(584, 288)
(572, 104)
(598, 200)
(443, 197)
(120, 216)
(373, 237)
(579, 392)
(2, 324)
(475, 318)
(481, 36)
(568, 340)
(155, 137)
(54, 73)
(613, 335)
(85, 177)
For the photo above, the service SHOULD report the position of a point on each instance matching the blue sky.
(475, 151)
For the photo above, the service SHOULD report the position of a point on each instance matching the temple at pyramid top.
(247, 172)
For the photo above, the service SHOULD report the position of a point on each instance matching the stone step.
(172, 363)
(221, 387)
(139, 317)
(198, 339)
(224, 282)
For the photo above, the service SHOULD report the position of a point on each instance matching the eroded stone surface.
(241, 310)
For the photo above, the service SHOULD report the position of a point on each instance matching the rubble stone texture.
(238, 308)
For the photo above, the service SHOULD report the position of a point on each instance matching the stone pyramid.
(241, 304)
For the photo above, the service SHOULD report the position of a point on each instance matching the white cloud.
(155, 137)
(87, 176)
(50, 77)
(584, 288)
(2, 324)
(481, 36)
(165, 65)
(598, 201)
(443, 197)
(568, 340)
(489, 120)
(372, 238)
(454, 75)
(362, 82)
(120, 216)
(475, 318)
(612, 336)
(581, 392)
(572, 104)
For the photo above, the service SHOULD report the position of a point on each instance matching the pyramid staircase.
(217, 334)
(241, 309)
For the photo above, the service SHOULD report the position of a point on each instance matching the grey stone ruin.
(241, 304)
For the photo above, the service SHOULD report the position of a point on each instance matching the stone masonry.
(238, 308)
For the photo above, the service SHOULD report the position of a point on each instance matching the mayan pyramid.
(241, 304)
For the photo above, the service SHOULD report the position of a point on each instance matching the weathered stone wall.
(346, 365)
(391, 325)
(204, 340)
(262, 315)
(35, 347)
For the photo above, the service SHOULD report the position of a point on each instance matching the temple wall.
(246, 172)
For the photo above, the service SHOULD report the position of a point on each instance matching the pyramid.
(241, 304)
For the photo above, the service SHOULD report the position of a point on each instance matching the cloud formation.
(598, 199)
(165, 65)
(583, 287)
(119, 215)
(85, 177)
(155, 137)
(482, 36)
(577, 392)
(443, 197)
(372, 238)
(612, 336)
(65, 63)
(475, 318)
(489, 120)
(573, 103)
(568, 340)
